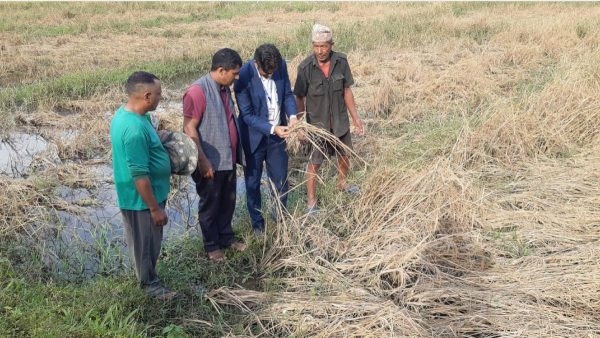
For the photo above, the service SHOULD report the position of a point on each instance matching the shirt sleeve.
(301, 85)
(137, 153)
(348, 79)
(194, 103)
(289, 101)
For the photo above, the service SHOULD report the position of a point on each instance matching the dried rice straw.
(304, 134)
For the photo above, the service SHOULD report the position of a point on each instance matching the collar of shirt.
(332, 58)
(262, 78)
(269, 87)
(271, 98)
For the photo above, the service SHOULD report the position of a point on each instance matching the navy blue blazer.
(252, 103)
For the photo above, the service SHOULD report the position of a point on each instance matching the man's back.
(137, 152)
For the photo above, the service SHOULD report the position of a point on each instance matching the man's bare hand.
(206, 169)
(159, 217)
(282, 131)
(358, 127)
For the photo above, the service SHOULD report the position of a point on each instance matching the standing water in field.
(90, 240)
(82, 234)
(17, 152)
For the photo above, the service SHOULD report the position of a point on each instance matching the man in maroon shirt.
(208, 118)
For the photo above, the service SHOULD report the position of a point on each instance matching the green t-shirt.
(137, 152)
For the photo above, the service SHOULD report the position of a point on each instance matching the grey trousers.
(143, 241)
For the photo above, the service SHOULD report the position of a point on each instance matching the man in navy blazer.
(266, 103)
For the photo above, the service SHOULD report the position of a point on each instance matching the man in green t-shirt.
(142, 172)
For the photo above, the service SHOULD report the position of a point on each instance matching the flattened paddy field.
(479, 210)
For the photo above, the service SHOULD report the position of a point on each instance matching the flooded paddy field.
(478, 213)
(84, 237)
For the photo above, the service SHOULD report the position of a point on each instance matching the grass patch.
(104, 307)
(480, 33)
(420, 142)
(511, 244)
(82, 85)
(38, 305)
(538, 80)
(401, 31)
(75, 19)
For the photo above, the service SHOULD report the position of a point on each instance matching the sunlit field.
(479, 211)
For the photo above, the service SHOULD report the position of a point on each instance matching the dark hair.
(226, 58)
(139, 78)
(267, 57)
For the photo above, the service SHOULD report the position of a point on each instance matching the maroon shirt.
(194, 106)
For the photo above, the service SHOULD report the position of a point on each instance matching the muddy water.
(18, 151)
(91, 242)
(99, 205)
(88, 238)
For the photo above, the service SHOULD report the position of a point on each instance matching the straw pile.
(426, 253)
(494, 233)
(30, 201)
(305, 136)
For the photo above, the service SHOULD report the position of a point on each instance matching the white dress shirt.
(272, 100)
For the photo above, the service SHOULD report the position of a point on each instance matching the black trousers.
(216, 207)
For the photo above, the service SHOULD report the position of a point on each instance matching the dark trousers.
(271, 151)
(216, 207)
(143, 241)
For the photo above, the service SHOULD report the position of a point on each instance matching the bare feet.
(216, 256)
(239, 246)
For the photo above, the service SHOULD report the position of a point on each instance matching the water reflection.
(17, 152)
(90, 241)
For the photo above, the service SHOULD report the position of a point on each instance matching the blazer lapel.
(279, 81)
(258, 87)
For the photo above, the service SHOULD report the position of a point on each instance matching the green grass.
(480, 33)
(423, 141)
(103, 307)
(537, 81)
(84, 84)
(36, 304)
(80, 85)
(511, 244)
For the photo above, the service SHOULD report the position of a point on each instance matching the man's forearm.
(300, 105)
(193, 134)
(350, 104)
(144, 188)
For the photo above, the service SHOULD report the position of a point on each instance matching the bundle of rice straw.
(304, 135)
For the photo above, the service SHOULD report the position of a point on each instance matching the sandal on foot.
(312, 210)
(352, 189)
(160, 292)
